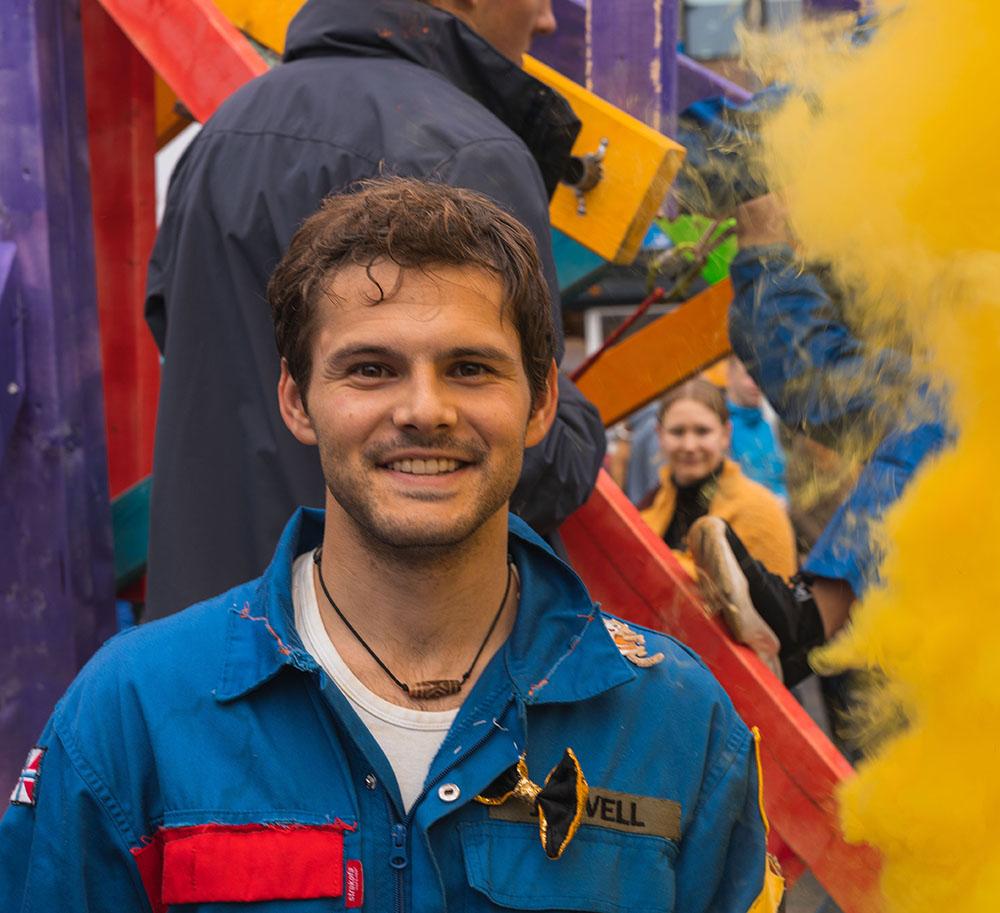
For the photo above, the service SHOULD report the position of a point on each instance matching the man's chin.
(418, 537)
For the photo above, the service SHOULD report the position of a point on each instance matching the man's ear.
(292, 405)
(544, 411)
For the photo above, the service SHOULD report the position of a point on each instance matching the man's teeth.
(425, 467)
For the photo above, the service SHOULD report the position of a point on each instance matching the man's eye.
(370, 371)
(471, 369)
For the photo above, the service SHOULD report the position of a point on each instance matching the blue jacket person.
(417, 707)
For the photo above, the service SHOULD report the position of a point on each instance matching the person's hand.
(762, 221)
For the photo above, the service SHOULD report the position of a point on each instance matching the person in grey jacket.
(388, 87)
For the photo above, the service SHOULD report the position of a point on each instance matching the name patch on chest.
(613, 810)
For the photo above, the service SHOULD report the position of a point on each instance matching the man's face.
(419, 404)
(509, 25)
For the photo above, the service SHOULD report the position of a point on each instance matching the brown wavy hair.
(700, 391)
(416, 225)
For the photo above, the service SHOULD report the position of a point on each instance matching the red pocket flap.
(249, 862)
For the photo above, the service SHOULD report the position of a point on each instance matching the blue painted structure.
(56, 561)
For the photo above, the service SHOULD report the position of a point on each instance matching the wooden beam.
(121, 133)
(631, 58)
(660, 355)
(199, 53)
(632, 573)
(57, 572)
(639, 166)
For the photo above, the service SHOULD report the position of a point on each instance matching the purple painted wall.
(56, 561)
(629, 47)
(632, 48)
(625, 51)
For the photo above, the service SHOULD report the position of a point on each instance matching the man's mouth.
(430, 467)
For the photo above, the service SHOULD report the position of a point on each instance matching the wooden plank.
(192, 45)
(122, 143)
(266, 20)
(696, 81)
(660, 355)
(56, 574)
(633, 574)
(639, 166)
(631, 58)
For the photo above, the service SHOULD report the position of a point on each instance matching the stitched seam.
(106, 800)
(227, 131)
(719, 771)
(573, 644)
(480, 142)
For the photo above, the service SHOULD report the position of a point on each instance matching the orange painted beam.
(632, 573)
(660, 355)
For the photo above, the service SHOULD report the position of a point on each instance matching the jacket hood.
(417, 32)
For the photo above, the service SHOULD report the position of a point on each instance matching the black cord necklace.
(439, 687)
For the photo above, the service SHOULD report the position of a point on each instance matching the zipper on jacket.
(400, 858)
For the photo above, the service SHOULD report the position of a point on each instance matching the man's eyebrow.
(484, 353)
(369, 350)
(362, 350)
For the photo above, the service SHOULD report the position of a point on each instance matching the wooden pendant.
(439, 687)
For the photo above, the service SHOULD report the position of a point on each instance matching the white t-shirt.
(409, 738)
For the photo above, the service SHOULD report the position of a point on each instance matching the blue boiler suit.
(199, 759)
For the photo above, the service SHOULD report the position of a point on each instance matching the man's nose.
(425, 404)
(546, 23)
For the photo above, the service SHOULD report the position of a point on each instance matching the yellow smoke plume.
(889, 162)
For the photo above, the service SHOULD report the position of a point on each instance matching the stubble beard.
(408, 539)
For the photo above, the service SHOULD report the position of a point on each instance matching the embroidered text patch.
(613, 810)
(26, 790)
(354, 885)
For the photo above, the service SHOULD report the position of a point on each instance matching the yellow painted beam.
(639, 166)
(660, 355)
(266, 20)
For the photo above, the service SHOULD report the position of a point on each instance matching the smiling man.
(366, 88)
(418, 706)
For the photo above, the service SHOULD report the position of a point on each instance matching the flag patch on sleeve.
(27, 784)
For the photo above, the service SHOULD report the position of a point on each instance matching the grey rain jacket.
(386, 87)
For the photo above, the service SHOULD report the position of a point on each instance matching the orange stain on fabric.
(889, 166)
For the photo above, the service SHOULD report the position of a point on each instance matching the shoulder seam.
(733, 747)
(230, 131)
(105, 799)
(510, 140)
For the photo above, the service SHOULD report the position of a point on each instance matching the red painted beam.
(192, 45)
(632, 573)
(121, 127)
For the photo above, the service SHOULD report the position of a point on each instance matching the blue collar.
(558, 652)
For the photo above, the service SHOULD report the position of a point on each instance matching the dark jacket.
(388, 87)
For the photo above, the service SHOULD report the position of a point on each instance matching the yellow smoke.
(890, 165)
